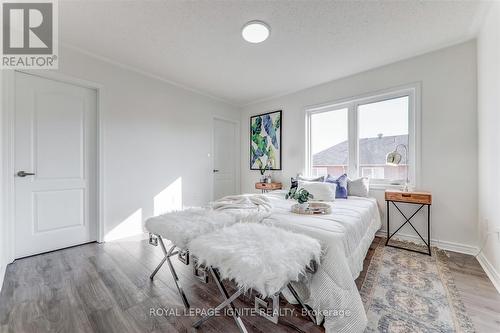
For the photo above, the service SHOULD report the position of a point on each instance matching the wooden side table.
(266, 187)
(412, 197)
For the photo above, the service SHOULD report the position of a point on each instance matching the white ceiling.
(198, 44)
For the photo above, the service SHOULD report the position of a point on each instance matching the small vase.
(303, 206)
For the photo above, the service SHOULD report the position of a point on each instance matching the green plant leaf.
(256, 125)
(277, 121)
(260, 165)
(271, 156)
(301, 195)
(260, 141)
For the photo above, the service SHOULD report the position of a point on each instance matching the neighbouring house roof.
(372, 151)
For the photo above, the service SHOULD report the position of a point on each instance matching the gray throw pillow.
(294, 181)
(311, 179)
(358, 187)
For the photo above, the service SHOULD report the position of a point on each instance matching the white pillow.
(320, 191)
(358, 187)
(310, 178)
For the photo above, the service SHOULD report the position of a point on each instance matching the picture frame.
(266, 140)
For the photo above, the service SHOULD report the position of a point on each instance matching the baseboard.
(445, 245)
(490, 270)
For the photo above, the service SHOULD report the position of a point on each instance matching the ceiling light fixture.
(255, 31)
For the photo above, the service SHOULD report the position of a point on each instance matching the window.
(330, 153)
(373, 172)
(381, 127)
(355, 136)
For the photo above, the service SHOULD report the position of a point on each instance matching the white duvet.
(345, 236)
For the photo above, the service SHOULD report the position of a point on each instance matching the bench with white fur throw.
(181, 227)
(256, 257)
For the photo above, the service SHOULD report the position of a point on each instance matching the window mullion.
(353, 142)
(308, 168)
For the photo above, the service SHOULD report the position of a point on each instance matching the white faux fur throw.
(243, 201)
(256, 256)
(182, 226)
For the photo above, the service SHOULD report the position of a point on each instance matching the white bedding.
(345, 236)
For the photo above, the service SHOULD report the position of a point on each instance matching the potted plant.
(263, 168)
(301, 195)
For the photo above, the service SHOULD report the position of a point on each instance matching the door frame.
(8, 110)
(236, 124)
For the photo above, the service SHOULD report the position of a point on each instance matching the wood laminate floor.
(106, 288)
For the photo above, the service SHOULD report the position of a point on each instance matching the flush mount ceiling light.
(255, 31)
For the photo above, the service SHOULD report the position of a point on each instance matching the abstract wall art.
(265, 141)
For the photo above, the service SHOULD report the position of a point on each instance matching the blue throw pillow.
(341, 191)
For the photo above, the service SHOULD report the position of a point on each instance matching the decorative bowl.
(314, 208)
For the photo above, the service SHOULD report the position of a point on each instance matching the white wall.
(157, 141)
(155, 135)
(448, 138)
(489, 139)
(3, 242)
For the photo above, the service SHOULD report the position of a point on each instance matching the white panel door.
(55, 165)
(225, 141)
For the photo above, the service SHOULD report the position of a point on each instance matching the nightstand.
(266, 187)
(420, 198)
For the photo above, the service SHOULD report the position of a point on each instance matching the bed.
(345, 236)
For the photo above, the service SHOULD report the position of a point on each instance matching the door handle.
(24, 174)
(215, 170)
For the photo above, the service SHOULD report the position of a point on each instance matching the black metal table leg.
(388, 227)
(408, 221)
(429, 228)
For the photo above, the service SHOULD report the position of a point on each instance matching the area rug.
(405, 291)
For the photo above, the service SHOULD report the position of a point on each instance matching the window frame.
(352, 104)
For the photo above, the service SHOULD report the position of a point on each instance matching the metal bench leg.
(199, 271)
(302, 304)
(165, 253)
(157, 268)
(261, 307)
(168, 254)
(228, 301)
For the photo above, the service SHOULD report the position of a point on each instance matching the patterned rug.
(410, 292)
